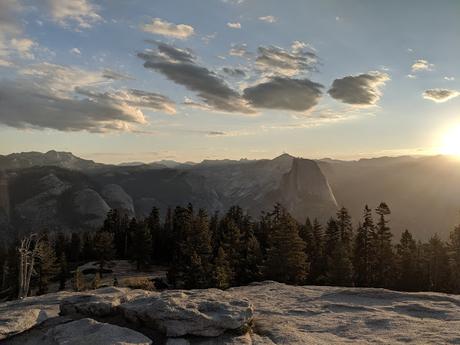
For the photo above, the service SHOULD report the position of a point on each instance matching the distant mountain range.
(57, 190)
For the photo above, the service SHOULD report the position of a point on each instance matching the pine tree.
(142, 245)
(156, 234)
(104, 248)
(331, 238)
(384, 264)
(75, 248)
(317, 261)
(87, 252)
(438, 265)
(222, 270)
(182, 224)
(47, 266)
(364, 251)
(339, 271)
(454, 256)
(250, 264)
(62, 271)
(286, 260)
(406, 263)
(78, 281)
(229, 239)
(345, 228)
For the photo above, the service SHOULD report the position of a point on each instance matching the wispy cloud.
(162, 27)
(235, 25)
(79, 14)
(440, 95)
(268, 19)
(422, 65)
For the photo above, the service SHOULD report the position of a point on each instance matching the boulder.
(100, 302)
(89, 331)
(177, 313)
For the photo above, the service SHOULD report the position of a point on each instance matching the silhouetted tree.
(286, 258)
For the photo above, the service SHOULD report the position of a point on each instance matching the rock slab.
(89, 331)
(177, 313)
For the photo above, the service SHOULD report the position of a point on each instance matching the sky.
(141, 80)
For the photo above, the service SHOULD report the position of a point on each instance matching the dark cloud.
(234, 72)
(45, 109)
(278, 61)
(363, 89)
(182, 69)
(284, 93)
(440, 95)
(9, 23)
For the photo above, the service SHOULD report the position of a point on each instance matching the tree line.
(233, 249)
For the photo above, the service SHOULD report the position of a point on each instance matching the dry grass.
(137, 283)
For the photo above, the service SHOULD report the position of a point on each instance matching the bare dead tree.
(28, 253)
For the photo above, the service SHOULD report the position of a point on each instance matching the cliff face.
(304, 191)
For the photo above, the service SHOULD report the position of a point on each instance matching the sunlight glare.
(451, 142)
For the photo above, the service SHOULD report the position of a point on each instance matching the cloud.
(363, 89)
(284, 93)
(181, 67)
(44, 109)
(109, 74)
(216, 133)
(234, 72)
(60, 79)
(440, 95)
(268, 19)
(274, 60)
(239, 50)
(12, 45)
(69, 99)
(75, 51)
(422, 65)
(70, 13)
(23, 46)
(449, 78)
(9, 24)
(235, 25)
(164, 28)
(134, 98)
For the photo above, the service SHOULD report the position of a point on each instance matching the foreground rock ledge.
(89, 332)
(206, 313)
(283, 314)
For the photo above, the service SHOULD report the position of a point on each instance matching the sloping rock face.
(41, 209)
(117, 198)
(90, 206)
(19, 316)
(88, 331)
(206, 313)
(301, 315)
(278, 314)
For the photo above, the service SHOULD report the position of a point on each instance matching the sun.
(451, 142)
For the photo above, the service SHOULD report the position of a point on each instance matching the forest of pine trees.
(223, 250)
